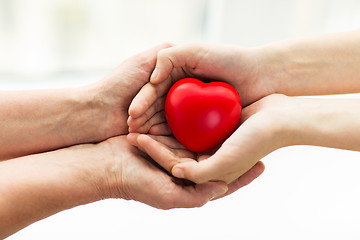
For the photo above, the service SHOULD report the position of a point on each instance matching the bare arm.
(40, 120)
(271, 123)
(37, 186)
(326, 64)
(43, 120)
(319, 65)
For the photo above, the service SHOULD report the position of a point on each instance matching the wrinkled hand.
(112, 95)
(169, 153)
(131, 175)
(262, 130)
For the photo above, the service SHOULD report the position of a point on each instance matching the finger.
(158, 118)
(172, 64)
(218, 167)
(147, 96)
(147, 57)
(188, 197)
(168, 141)
(161, 129)
(132, 139)
(245, 179)
(199, 172)
(154, 50)
(158, 106)
(162, 153)
(143, 100)
(170, 59)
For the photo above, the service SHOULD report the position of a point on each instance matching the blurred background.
(305, 192)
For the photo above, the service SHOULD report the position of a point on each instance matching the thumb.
(198, 172)
(175, 57)
(165, 63)
(225, 165)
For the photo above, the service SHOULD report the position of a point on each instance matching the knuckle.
(162, 54)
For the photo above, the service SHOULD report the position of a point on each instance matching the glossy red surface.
(202, 115)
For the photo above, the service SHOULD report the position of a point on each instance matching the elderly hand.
(111, 97)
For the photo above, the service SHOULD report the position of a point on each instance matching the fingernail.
(154, 74)
(178, 172)
(219, 191)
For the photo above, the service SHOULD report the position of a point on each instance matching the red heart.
(202, 115)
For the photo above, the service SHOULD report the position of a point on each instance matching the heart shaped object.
(202, 115)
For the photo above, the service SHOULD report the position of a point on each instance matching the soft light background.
(305, 192)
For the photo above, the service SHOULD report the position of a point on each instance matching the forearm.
(42, 120)
(320, 65)
(37, 186)
(324, 122)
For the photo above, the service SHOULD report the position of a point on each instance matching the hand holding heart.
(237, 160)
(239, 153)
(231, 64)
(169, 152)
(198, 132)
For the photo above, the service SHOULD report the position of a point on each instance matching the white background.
(305, 192)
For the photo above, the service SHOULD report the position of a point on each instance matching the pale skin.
(35, 184)
(315, 66)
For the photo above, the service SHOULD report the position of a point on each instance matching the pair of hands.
(136, 165)
(137, 176)
(262, 122)
(236, 162)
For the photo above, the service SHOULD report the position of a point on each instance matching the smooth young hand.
(273, 122)
(318, 65)
(238, 156)
(234, 65)
(169, 152)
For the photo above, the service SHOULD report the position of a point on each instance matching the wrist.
(106, 114)
(97, 168)
(281, 120)
(110, 154)
(98, 115)
(326, 122)
(72, 176)
(272, 68)
(82, 169)
(306, 121)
